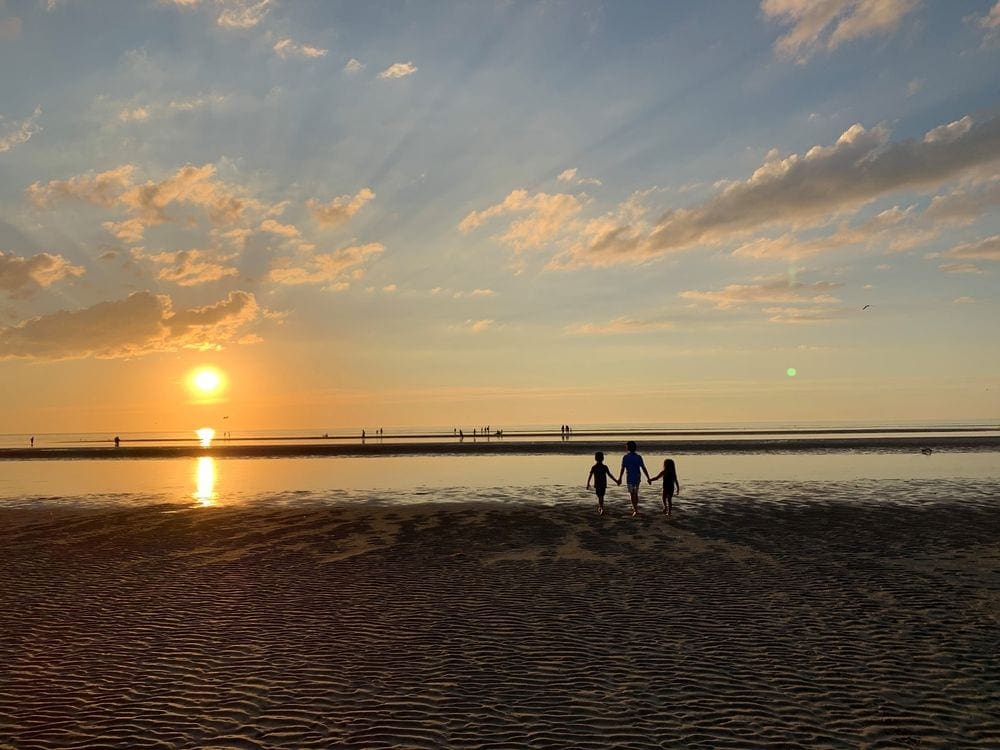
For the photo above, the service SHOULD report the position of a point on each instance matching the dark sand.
(860, 614)
(494, 446)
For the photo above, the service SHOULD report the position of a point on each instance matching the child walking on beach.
(669, 477)
(631, 464)
(599, 472)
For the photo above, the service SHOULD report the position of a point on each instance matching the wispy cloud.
(340, 209)
(192, 267)
(286, 48)
(776, 290)
(398, 70)
(826, 24)
(624, 324)
(353, 66)
(317, 268)
(545, 216)
(984, 249)
(18, 131)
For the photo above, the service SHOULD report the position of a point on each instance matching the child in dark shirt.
(669, 477)
(599, 472)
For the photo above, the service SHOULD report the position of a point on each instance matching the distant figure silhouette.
(32, 441)
(926, 451)
(669, 477)
(118, 441)
(632, 463)
(600, 473)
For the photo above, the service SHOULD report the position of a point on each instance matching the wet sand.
(857, 614)
(506, 446)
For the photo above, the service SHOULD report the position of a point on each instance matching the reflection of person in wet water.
(118, 441)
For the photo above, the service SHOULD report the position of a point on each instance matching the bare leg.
(668, 507)
(634, 497)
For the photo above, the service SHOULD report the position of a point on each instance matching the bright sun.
(206, 380)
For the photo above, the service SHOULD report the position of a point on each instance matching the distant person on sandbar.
(599, 472)
(632, 464)
(118, 441)
(32, 441)
(669, 477)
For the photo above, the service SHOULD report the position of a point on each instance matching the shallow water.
(220, 481)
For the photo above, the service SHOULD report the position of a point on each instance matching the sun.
(206, 381)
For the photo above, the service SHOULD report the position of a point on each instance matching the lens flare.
(791, 372)
(205, 435)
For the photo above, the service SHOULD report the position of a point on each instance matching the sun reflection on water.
(205, 435)
(205, 481)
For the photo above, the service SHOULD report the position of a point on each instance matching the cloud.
(990, 23)
(886, 228)
(141, 324)
(965, 205)
(353, 66)
(567, 175)
(135, 112)
(147, 203)
(985, 249)
(10, 29)
(22, 276)
(478, 326)
(284, 230)
(340, 209)
(192, 267)
(623, 324)
(826, 24)
(18, 131)
(817, 314)
(473, 293)
(801, 191)
(914, 86)
(241, 14)
(316, 268)
(963, 300)
(286, 48)
(546, 217)
(570, 175)
(390, 288)
(961, 268)
(398, 70)
(780, 290)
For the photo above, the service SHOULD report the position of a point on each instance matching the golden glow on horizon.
(205, 435)
(206, 381)
(205, 481)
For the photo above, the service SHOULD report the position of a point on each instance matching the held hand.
(619, 482)
(588, 485)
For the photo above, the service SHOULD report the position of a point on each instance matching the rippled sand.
(860, 614)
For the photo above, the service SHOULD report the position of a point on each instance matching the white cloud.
(286, 48)
(134, 114)
(970, 268)
(390, 288)
(473, 293)
(284, 230)
(780, 290)
(991, 24)
(19, 131)
(985, 249)
(353, 66)
(826, 24)
(316, 268)
(147, 203)
(192, 267)
(478, 326)
(567, 175)
(964, 205)
(623, 324)
(814, 314)
(22, 276)
(398, 70)
(241, 14)
(802, 191)
(570, 175)
(545, 217)
(340, 209)
(141, 324)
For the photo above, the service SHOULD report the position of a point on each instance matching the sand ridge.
(821, 615)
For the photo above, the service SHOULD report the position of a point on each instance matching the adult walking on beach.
(632, 464)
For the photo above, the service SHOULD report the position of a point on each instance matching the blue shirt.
(632, 463)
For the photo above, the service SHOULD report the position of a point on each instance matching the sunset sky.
(433, 213)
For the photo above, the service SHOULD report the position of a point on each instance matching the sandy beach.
(855, 614)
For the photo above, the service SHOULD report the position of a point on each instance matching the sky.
(468, 213)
